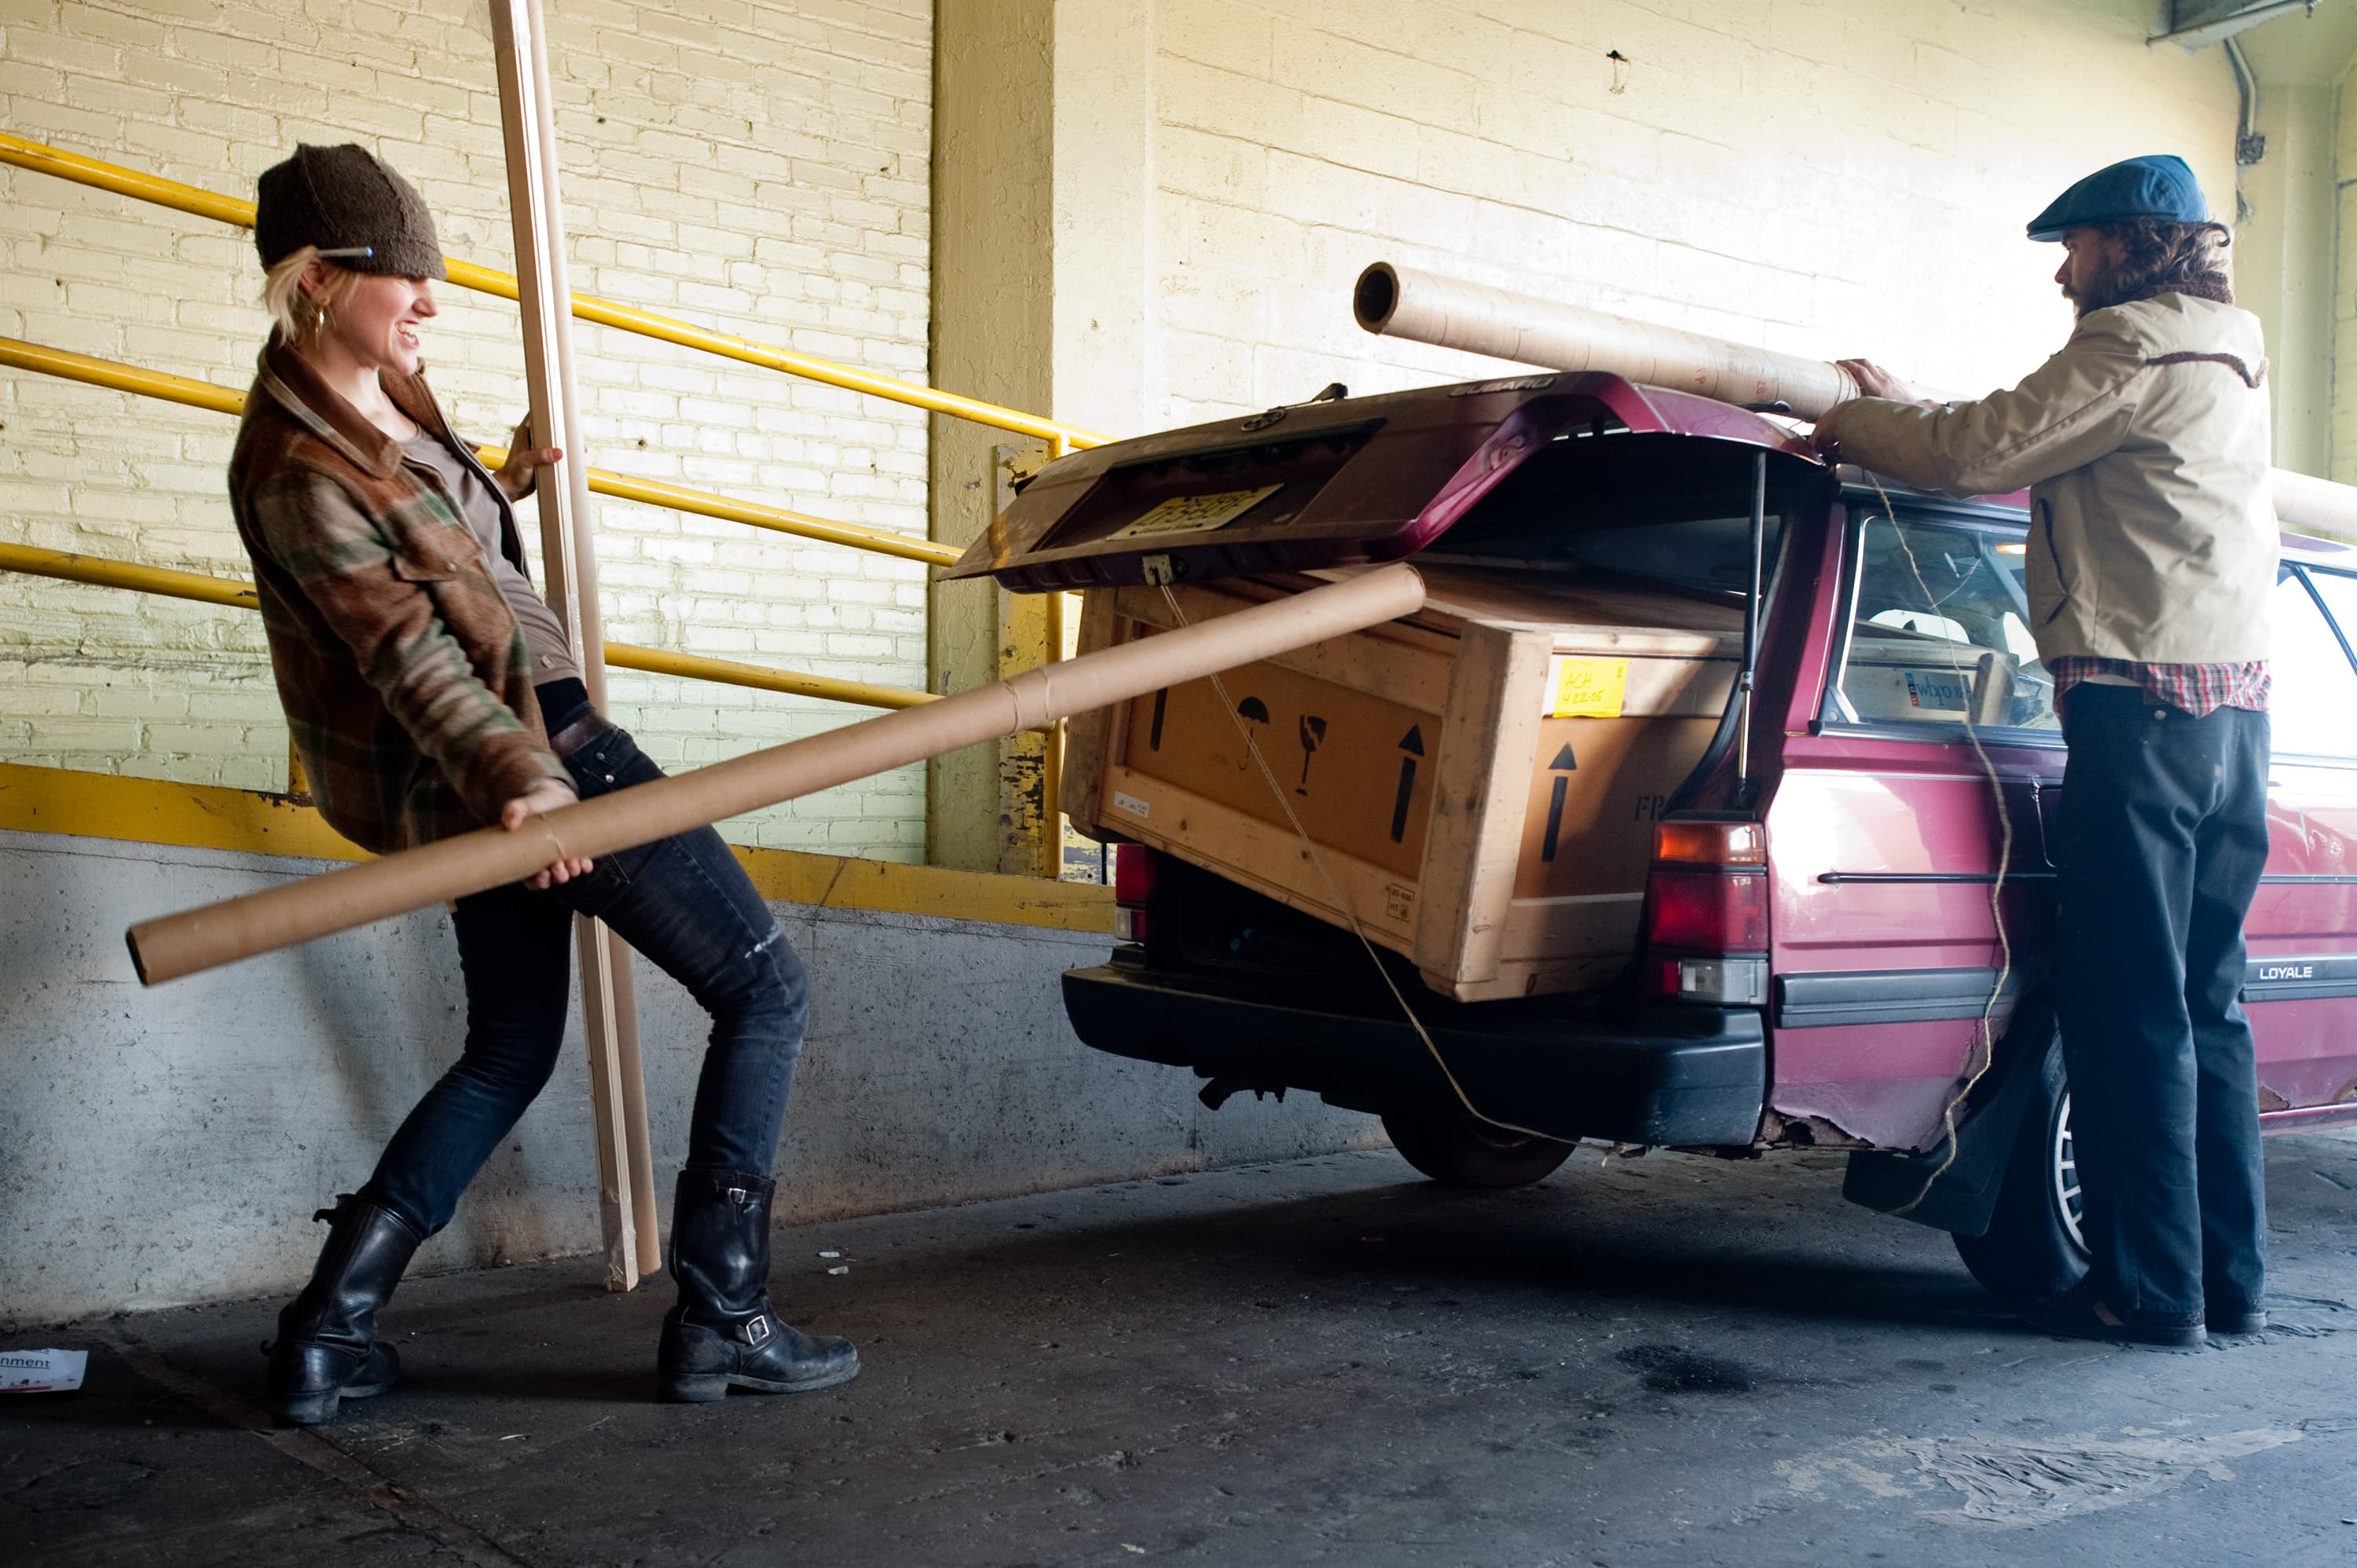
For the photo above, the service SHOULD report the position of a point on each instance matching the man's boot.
(724, 1331)
(326, 1348)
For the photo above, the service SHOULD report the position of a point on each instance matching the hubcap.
(2069, 1202)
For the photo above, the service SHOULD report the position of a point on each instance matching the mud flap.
(1961, 1198)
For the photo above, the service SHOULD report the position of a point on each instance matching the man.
(2150, 568)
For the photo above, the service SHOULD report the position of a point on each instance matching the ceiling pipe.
(2201, 35)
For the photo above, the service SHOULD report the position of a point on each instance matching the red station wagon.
(1817, 947)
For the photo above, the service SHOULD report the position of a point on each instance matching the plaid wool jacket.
(399, 664)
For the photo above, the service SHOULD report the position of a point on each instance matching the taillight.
(1135, 867)
(1706, 913)
(1709, 912)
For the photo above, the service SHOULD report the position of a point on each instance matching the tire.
(2033, 1246)
(1457, 1150)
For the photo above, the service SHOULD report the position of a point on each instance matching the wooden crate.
(1481, 781)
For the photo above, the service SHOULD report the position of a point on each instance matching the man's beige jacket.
(2144, 442)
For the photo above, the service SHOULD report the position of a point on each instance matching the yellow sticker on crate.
(1587, 688)
(1195, 514)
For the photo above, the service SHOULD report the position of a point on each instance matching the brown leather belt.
(578, 734)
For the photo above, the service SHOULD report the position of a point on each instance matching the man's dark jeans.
(2164, 836)
(688, 906)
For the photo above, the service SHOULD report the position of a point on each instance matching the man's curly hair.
(2161, 257)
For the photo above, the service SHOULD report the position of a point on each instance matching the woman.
(431, 692)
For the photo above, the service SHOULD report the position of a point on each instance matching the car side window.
(1940, 631)
(2313, 690)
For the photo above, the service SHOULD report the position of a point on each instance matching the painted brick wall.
(757, 165)
(1827, 176)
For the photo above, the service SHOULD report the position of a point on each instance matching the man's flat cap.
(2158, 184)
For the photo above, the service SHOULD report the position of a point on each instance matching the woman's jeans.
(687, 906)
(2164, 836)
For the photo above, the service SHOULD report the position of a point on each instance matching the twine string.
(1984, 1055)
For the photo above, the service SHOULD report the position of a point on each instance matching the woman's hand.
(546, 796)
(520, 472)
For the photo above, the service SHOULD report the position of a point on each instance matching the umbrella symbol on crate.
(1252, 710)
(1313, 736)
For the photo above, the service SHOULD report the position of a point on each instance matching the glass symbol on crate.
(1313, 735)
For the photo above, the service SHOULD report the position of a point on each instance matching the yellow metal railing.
(1059, 439)
(204, 203)
(100, 572)
(654, 492)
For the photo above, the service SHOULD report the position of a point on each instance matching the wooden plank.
(1413, 674)
(1269, 859)
(1496, 697)
(1088, 739)
(617, 1085)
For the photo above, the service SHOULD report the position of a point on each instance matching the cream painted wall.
(2344, 307)
(1827, 176)
(758, 165)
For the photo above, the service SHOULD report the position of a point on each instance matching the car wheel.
(2035, 1244)
(1453, 1148)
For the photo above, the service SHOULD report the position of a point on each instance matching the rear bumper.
(1669, 1074)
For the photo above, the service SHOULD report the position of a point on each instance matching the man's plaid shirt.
(2200, 690)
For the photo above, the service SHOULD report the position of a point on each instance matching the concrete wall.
(760, 167)
(169, 1145)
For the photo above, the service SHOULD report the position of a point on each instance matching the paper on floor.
(42, 1372)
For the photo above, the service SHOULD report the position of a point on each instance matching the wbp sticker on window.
(1943, 691)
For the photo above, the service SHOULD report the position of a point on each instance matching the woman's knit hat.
(351, 204)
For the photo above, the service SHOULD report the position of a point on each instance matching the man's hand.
(1873, 380)
(1823, 437)
(520, 472)
(546, 796)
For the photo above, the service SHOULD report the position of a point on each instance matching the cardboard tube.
(236, 929)
(1401, 302)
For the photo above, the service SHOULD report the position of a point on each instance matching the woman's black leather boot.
(327, 1350)
(724, 1333)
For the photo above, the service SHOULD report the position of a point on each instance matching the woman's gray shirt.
(544, 637)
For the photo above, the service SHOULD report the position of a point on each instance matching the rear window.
(1651, 509)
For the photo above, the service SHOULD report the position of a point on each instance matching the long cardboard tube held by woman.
(234, 928)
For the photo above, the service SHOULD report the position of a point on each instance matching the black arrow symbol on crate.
(1413, 744)
(1564, 763)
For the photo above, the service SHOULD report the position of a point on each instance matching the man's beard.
(2102, 291)
(2119, 285)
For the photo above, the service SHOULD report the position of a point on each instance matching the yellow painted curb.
(206, 816)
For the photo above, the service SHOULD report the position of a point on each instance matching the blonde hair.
(299, 316)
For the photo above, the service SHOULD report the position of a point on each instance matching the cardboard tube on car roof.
(1401, 302)
(197, 940)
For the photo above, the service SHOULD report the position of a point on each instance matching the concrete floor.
(1670, 1360)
